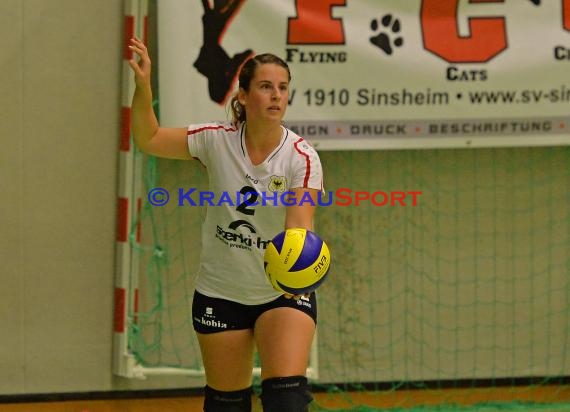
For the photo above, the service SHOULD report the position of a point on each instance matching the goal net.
(461, 298)
(458, 300)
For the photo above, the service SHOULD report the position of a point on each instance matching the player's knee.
(287, 394)
(223, 401)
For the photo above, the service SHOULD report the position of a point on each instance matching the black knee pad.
(288, 394)
(221, 401)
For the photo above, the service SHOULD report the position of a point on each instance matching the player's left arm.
(302, 210)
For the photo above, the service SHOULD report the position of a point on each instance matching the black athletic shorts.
(210, 315)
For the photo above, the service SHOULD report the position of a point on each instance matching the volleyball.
(296, 261)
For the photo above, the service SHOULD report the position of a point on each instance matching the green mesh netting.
(440, 306)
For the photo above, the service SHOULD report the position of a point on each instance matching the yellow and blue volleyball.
(296, 261)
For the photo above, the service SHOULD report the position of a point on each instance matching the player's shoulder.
(299, 144)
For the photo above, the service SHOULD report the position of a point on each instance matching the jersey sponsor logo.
(233, 236)
(242, 223)
(240, 240)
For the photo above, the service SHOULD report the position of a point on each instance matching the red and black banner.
(380, 74)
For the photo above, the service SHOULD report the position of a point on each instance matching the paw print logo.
(387, 36)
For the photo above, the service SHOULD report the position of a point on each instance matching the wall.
(59, 128)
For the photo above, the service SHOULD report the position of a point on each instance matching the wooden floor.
(340, 401)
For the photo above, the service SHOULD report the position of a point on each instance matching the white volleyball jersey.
(247, 207)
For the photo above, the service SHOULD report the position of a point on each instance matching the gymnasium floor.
(467, 400)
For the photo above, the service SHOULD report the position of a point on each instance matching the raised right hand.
(142, 67)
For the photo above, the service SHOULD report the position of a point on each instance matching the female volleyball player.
(234, 308)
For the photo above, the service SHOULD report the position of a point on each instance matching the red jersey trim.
(307, 162)
(227, 129)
